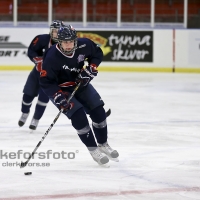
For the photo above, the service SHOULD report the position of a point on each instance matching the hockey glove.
(38, 63)
(61, 101)
(87, 75)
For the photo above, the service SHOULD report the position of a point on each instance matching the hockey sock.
(26, 103)
(39, 110)
(40, 107)
(80, 123)
(99, 124)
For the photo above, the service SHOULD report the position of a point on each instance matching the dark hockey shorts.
(88, 98)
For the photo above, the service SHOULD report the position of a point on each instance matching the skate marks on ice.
(154, 125)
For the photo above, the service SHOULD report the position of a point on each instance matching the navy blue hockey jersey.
(39, 45)
(59, 71)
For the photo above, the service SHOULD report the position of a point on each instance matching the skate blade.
(114, 159)
(105, 165)
(32, 131)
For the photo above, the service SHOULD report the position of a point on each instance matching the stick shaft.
(23, 164)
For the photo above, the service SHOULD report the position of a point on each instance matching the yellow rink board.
(120, 69)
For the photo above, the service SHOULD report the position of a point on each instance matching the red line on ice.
(104, 194)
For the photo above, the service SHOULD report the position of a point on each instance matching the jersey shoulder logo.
(81, 58)
(35, 41)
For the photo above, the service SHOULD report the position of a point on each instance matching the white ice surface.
(154, 124)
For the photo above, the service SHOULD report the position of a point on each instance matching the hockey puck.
(27, 173)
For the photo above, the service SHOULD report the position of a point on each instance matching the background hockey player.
(62, 70)
(32, 88)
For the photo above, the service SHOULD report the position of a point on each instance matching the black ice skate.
(23, 119)
(111, 153)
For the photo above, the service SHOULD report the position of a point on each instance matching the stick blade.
(108, 112)
(23, 164)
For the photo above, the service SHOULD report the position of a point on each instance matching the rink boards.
(159, 50)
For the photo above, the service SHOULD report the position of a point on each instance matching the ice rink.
(154, 125)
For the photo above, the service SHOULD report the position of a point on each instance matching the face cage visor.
(68, 52)
(55, 39)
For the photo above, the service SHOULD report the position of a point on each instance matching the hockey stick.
(23, 164)
(108, 112)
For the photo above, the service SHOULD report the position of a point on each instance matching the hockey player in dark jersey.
(32, 88)
(62, 70)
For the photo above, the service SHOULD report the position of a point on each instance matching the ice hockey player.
(36, 50)
(62, 70)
